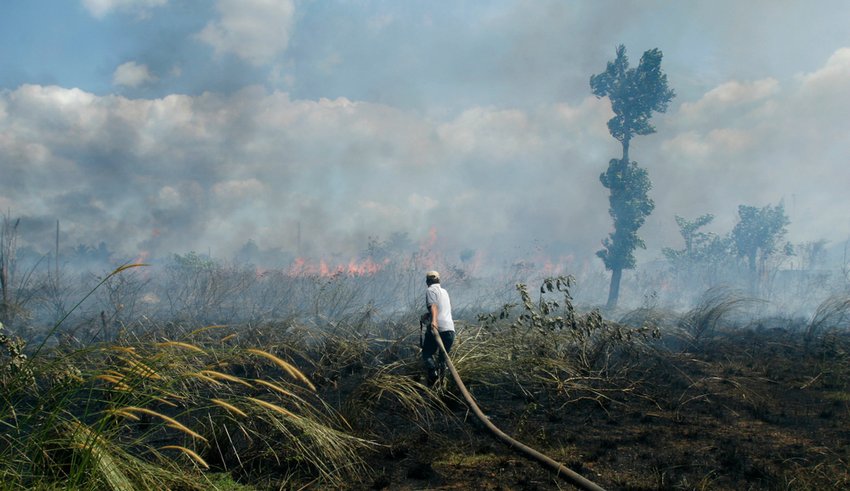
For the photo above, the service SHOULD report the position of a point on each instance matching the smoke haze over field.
(161, 126)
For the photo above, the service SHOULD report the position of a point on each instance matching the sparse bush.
(551, 348)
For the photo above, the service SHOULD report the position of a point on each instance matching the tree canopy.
(630, 204)
(635, 93)
(759, 232)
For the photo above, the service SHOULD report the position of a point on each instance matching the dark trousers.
(434, 368)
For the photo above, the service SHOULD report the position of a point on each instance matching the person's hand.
(433, 324)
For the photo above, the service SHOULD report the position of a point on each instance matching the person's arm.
(434, 312)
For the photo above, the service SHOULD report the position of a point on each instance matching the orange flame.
(303, 267)
(429, 257)
(559, 266)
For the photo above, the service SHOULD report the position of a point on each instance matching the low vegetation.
(708, 399)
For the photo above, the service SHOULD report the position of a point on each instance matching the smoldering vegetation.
(198, 373)
(384, 283)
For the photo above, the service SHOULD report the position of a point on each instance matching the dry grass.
(180, 344)
(134, 396)
(328, 407)
(191, 453)
(287, 367)
(230, 407)
(398, 393)
(833, 313)
(714, 306)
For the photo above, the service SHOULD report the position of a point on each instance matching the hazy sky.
(177, 125)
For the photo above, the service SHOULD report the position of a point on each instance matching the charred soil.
(743, 409)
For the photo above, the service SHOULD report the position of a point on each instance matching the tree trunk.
(614, 290)
(617, 273)
(753, 274)
(626, 150)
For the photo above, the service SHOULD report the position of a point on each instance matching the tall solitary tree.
(635, 93)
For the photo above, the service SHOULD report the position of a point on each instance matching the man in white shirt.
(439, 307)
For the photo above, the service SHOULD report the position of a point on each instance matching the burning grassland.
(706, 399)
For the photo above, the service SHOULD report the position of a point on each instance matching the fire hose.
(560, 470)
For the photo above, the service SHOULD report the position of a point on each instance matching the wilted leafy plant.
(550, 347)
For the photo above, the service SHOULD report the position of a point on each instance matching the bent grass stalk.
(139, 368)
(286, 366)
(230, 407)
(113, 379)
(180, 344)
(124, 414)
(274, 387)
(273, 407)
(163, 401)
(173, 423)
(205, 378)
(223, 376)
(191, 453)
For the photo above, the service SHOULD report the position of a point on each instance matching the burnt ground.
(752, 409)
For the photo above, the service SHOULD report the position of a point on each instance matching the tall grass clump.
(832, 313)
(395, 391)
(159, 413)
(716, 304)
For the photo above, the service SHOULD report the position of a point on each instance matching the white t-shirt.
(439, 296)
